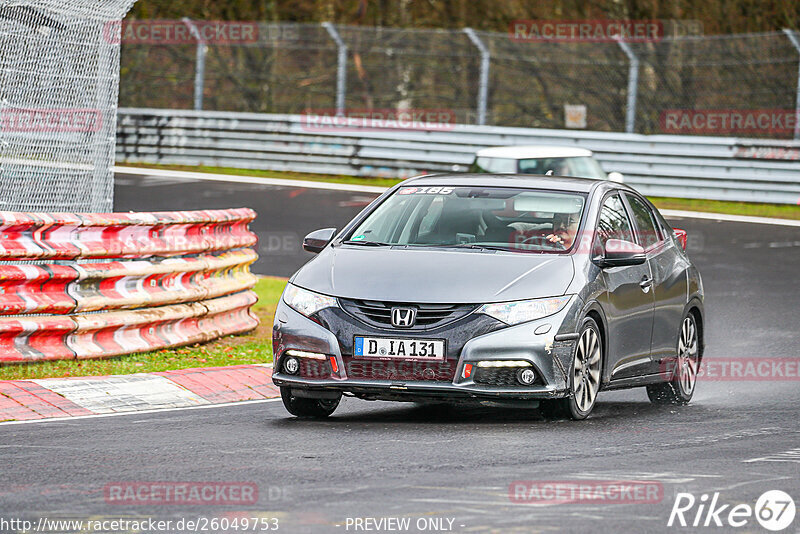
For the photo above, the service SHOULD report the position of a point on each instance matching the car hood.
(443, 276)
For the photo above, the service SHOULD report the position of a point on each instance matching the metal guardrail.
(719, 168)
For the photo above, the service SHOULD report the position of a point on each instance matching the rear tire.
(680, 388)
(303, 407)
(584, 384)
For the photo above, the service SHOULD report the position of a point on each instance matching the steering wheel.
(542, 242)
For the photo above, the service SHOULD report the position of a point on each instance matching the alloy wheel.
(687, 356)
(586, 371)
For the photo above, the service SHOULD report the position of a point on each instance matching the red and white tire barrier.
(23, 400)
(180, 278)
(61, 289)
(69, 236)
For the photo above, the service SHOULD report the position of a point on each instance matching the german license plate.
(399, 348)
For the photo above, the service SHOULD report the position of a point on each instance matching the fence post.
(341, 66)
(101, 197)
(483, 87)
(199, 64)
(633, 86)
(796, 42)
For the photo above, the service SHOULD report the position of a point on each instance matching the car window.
(667, 232)
(587, 167)
(581, 167)
(559, 166)
(613, 222)
(645, 222)
(514, 219)
(542, 166)
(501, 165)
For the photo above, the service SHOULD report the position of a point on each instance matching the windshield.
(581, 167)
(474, 217)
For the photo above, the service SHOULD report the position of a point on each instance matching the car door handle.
(646, 283)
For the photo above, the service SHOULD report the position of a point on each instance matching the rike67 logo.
(774, 510)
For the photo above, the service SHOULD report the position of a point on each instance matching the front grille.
(379, 314)
(456, 334)
(401, 370)
(496, 376)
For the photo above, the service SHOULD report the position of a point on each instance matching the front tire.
(680, 388)
(584, 383)
(303, 407)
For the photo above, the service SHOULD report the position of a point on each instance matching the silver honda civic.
(509, 290)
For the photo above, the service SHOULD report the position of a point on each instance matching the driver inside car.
(565, 227)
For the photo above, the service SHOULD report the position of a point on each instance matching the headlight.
(525, 310)
(306, 302)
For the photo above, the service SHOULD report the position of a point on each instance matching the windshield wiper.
(367, 243)
(483, 247)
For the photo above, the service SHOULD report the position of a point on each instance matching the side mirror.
(619, 253)
(617, 177)
(318, 239)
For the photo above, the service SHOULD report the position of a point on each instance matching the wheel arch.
(695, 307)
(595, 311)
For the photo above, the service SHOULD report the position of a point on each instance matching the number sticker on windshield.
(433, 190)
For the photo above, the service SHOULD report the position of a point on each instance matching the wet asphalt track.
(396, 460)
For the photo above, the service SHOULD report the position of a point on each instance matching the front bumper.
(549, 358)
(413, 390)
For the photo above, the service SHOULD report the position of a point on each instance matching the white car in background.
(556, 160)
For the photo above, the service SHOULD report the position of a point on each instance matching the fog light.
(526, 377)
(291, 365)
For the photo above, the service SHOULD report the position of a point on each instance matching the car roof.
(533, 152)
(533, 181)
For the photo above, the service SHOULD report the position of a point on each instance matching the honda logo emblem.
(404, 317)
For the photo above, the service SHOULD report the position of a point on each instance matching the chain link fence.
(481, 77)
(58, 104)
